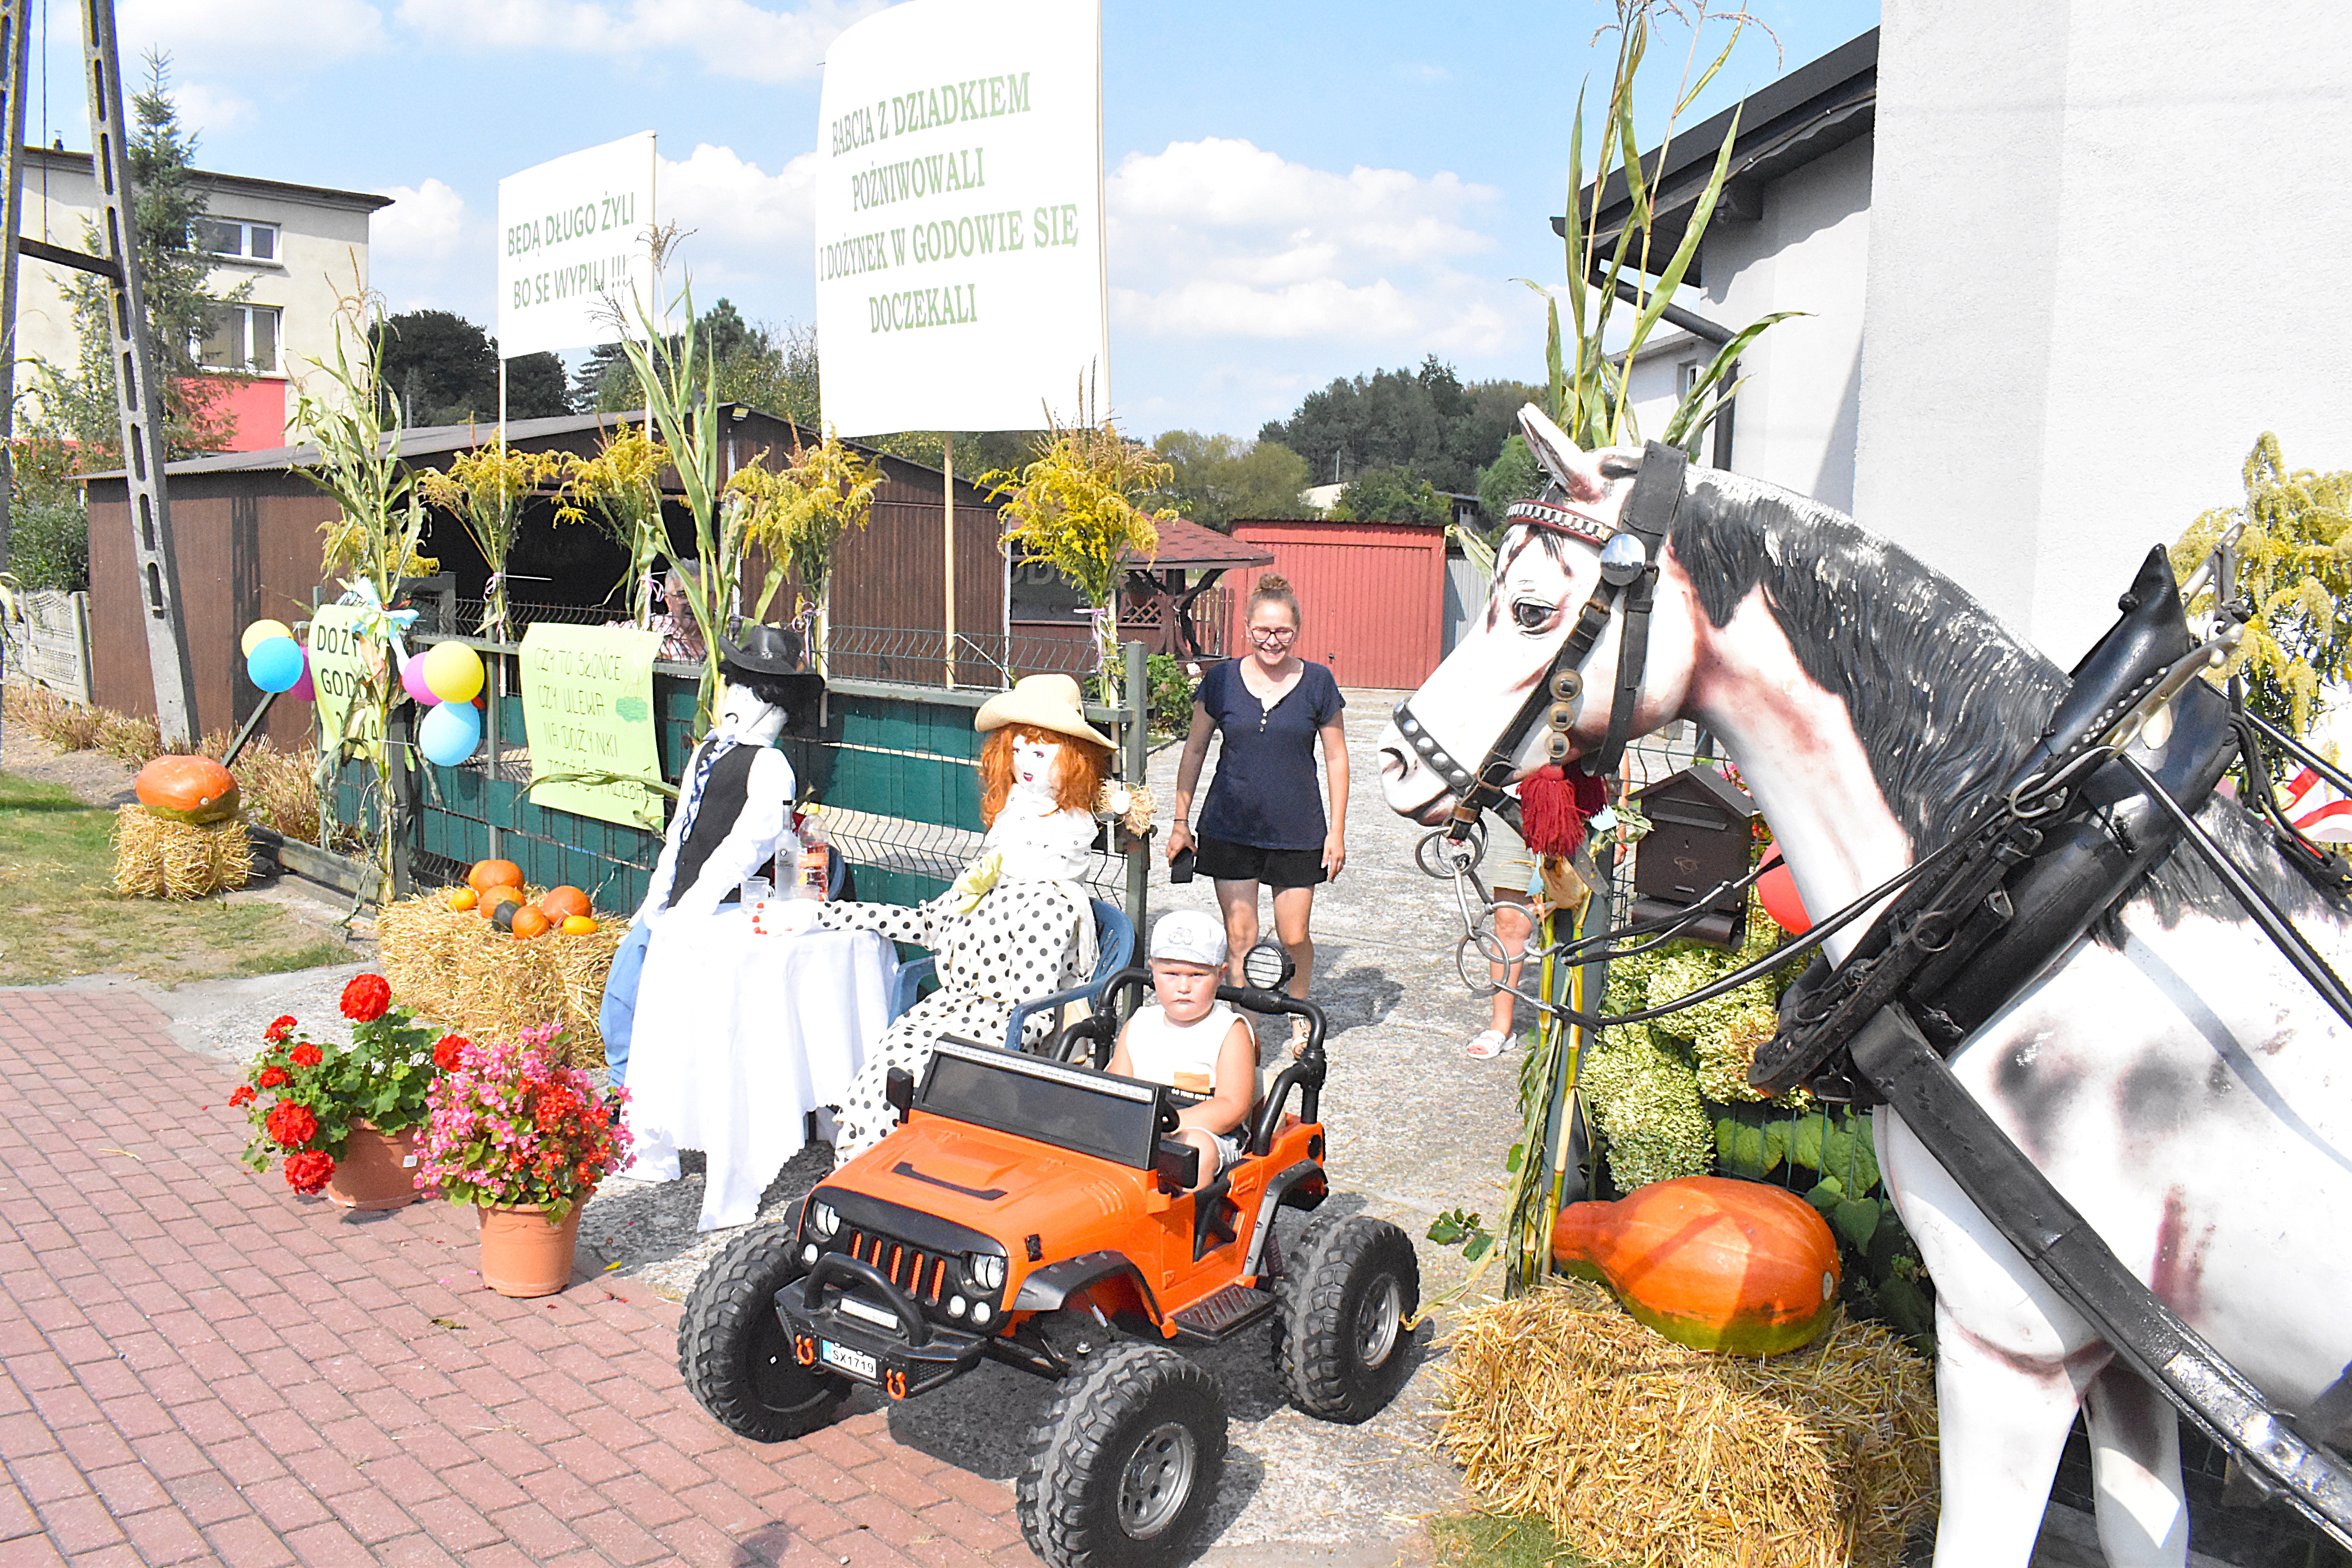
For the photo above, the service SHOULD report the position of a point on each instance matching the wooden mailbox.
(1699, 837)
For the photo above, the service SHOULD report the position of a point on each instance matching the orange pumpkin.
(499, 903)
(579, 925)
(463, 899)
(187, 789)
(563, 903)
(1709, 1262)
(489, 874)
(528, 922)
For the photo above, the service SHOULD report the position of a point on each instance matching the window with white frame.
(241, 338)
(235, 238)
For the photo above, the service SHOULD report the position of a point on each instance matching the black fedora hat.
(765, 650)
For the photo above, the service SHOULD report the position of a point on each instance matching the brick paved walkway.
(202, 1366)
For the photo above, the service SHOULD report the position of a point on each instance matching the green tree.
(444, 371)
(1218, 478)
(1425, 421)
(1514, 475)
(1391, 495)
(772, 369)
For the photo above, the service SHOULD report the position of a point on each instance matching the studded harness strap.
(1629, 575)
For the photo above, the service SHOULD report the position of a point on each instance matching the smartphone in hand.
(1180, 868)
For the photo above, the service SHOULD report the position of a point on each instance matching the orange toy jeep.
(1034, 1211)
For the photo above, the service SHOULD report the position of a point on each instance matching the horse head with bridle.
(2159, 1074)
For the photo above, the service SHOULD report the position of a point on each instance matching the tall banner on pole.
(959, 216)
(572, 236)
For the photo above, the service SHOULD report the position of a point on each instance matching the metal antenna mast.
(138, 401)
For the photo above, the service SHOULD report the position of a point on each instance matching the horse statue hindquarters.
(2170, 1073)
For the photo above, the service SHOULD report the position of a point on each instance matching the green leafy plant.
(797, 514)
(1170, 694)
(619, 489)
(1456, 1228)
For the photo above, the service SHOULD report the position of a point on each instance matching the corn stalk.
(796, 515)
(619, 489)
(485, 488)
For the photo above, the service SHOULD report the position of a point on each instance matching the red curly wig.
(1077, 778)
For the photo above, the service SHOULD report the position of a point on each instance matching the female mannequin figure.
(1016, 925)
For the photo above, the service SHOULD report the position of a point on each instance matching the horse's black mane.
(1944, 698)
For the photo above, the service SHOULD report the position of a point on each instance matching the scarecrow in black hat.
(734, 814)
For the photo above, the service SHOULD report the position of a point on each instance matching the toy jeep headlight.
(985, 1270)
(822, 1221)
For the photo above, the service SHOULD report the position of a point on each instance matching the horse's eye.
(1531, 614)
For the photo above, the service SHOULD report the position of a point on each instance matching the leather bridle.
(1629, 577)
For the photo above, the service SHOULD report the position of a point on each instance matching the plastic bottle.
(814, 873)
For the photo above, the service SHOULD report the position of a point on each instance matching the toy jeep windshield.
(1034, 1211)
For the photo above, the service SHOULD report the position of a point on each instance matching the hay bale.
(464, 974)
(156, 858)
(1637, 1449)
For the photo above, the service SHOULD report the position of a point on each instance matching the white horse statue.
(2170, 1074)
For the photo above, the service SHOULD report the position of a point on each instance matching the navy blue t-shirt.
(1265, 793)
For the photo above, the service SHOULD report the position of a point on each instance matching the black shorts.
(1223, 861)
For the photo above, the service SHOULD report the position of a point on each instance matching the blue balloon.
(449, 733)
(275, 664)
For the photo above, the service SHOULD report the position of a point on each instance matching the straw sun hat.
(1048, 701)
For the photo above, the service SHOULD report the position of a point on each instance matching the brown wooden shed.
(245, 529)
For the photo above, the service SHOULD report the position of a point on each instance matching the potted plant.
(343, 1118)
(527, 1141)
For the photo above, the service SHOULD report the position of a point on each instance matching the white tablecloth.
(738, 1036)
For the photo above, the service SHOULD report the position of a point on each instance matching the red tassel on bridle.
(1553, 807)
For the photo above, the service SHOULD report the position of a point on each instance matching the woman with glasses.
(1264, 821)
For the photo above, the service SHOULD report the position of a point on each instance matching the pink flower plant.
(510, 1127)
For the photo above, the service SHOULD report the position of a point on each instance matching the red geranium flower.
(444, 1051)
(309, 1171)
(272, 1076)
(366, 997)
(306, 1054)
(278, 1029)
(291, 1124)
(242, 1095)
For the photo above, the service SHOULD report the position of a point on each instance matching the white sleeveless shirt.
(1161, 1050)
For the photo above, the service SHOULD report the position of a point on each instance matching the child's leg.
(1200, 1138)
(1512, 929)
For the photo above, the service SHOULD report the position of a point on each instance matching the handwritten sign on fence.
(588, 709)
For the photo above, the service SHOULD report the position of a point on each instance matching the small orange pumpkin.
(579, 925)
(187, 789)
(498, 904)
(489, 874)
(463, 899)
(562, 904)
(1709, 1262)
(527, 921)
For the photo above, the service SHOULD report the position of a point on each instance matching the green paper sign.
(588, 711)
(341, 654)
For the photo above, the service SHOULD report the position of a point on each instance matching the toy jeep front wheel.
(1123, 1468)
(1341, 1318)
(734, 1354)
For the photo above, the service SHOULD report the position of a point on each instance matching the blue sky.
(1296, 191)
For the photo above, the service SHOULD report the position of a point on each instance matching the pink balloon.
(411, 680)
(302, 691)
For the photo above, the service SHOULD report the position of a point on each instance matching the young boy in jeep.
(1193, 1042)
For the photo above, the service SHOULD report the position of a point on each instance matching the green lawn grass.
(1483, 1539)
(61, 916)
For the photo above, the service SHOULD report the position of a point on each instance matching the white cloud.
(728, 201)
(732, 37)
(425, 223)
(234, 33)
(1223, 238)
(206, 108)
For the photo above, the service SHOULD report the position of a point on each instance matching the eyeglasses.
(1272, 634)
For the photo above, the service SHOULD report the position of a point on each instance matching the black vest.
(724, 794)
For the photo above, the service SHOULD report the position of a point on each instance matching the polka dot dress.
(1022, 941)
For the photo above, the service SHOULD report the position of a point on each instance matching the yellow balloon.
(453, 672)
(261, 632)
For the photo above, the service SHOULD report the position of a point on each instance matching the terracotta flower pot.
(378, 1169)
(525, 1255)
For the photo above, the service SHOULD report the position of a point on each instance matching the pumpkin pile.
(1638, 1449)
(492, 957)
(184, 839)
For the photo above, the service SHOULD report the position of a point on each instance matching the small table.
(739, 1035)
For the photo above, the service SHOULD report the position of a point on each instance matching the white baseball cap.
(1188, 936)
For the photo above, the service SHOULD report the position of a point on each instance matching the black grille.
(923, 1275)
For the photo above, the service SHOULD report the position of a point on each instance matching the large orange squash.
(489, 874)
(499, 903)
(1709, 1262)
(527, 921)
(559, 904)
(187, 789)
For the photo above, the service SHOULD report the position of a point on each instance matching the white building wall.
(323, 256)
(2103, 240)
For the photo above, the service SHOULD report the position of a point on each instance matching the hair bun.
(1273, 583)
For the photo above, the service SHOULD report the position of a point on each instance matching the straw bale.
(157, 858)
(464, 974)
(1641, 1450)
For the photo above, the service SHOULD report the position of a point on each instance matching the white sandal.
(1484, 1046)
(1299, 1031)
